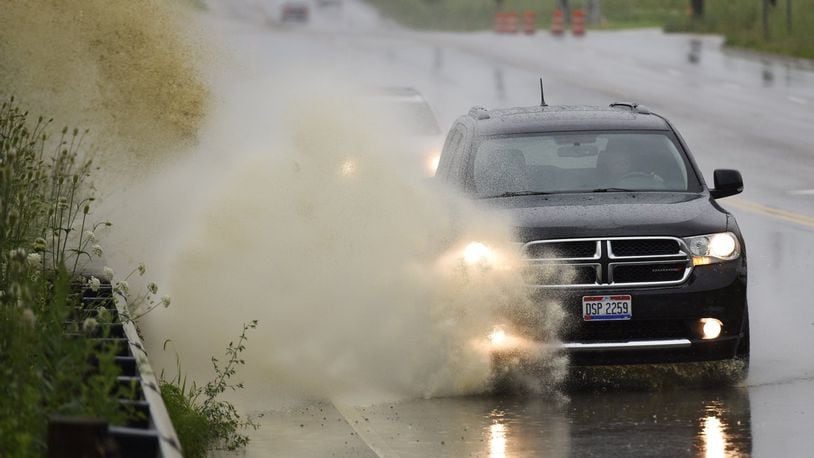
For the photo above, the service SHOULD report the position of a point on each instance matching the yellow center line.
(772, 212)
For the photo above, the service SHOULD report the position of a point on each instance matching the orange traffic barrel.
(578, 22)
(529, 22)
(557, 22)
(505, 22)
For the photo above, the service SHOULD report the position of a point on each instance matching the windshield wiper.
(517, 193)
(613, 190)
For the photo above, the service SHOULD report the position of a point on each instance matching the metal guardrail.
(154, 435)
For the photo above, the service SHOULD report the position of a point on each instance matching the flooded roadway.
(735, 111)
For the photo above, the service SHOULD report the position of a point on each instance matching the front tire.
(742, 352)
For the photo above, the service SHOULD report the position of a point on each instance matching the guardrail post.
(79, 437)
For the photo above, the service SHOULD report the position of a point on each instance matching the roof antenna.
(542, 95)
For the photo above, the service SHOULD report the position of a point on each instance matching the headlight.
(477, 253)
(432, 162)
(713, 248)
(497, 336)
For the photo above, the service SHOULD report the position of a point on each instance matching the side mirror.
(727, 183)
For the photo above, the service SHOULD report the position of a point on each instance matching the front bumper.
(665, 325)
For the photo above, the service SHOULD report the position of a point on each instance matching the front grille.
(562, 250)
(561, 274)
(611, 262)
(648, 273)
(644, 247)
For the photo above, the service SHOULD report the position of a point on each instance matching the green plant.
(479, 14)
(742, 25)
(202, 420)
(44, 206)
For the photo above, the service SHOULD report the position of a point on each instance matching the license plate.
(607, 308)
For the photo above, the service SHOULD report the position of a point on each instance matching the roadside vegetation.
(202, 421)
(49, 366)
(741, 22)
(468, 15)
(45, 239)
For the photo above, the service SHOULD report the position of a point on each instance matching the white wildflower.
(103, 314)
(165, 301)
(29, 318)
(122, 288)
(141, 268)
(97, 250)
(89, 325)
(94, 284)
(152, 288)
(108, 273)
(34, 260)
(18, 253)
(90, 236)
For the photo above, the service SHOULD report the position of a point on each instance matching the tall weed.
(44, 206)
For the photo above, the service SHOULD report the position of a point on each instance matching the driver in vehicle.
(617, 168)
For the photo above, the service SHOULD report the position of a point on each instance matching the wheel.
(742, 352)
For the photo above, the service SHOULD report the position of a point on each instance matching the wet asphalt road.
(735, 110)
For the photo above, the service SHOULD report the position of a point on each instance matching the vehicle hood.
(613, 214)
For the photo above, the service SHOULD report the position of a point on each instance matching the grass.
(202, 421)
(742, 25)
(739, 21)
(466, 15)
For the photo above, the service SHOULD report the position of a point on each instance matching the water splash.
(357, 273)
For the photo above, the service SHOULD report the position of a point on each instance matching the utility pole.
(594, 12)
(766, 19)
(788, 16)
(697, 8)
(565, 6)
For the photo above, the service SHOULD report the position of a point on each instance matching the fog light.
(711, 328)
(477, 253)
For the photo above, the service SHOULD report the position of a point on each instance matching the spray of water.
(128, 71)
(294, 210)
(355, 269)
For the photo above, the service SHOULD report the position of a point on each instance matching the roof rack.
(479, 113)
(633, 106)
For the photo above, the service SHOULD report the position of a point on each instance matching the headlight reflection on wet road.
(497, 440)
(714, 437)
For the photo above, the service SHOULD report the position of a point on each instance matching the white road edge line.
(799, 100)
(802, 192)
(357, 421)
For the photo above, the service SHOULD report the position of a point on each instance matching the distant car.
(407, 108)
(294, 11)
(614, 221)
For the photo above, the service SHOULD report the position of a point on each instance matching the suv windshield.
(580, 162)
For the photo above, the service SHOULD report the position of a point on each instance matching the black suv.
(616, 223)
